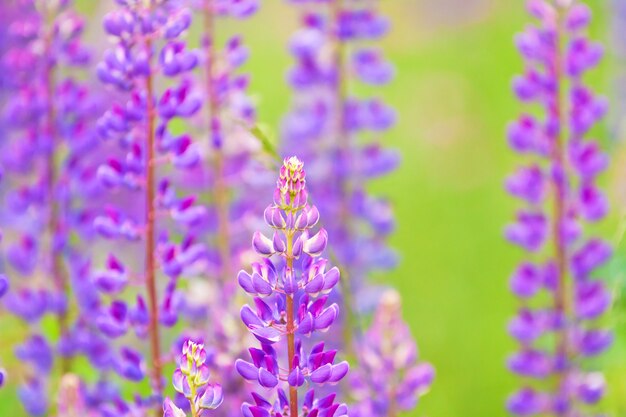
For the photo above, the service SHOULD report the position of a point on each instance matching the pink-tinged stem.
(150, 272)
(343, 138)
(561, 301)
(291, 339)
(220, 189)
(58, 272)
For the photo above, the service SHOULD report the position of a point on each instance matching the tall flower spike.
(48, 147)
(333, 50)
(388, 351)
(560, 195)
(290, 286)
(149, 52)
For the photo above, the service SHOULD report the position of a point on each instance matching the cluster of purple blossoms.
(331, 128)
(291, 293)
(387, 350)
(146, 211)
(191, 380)
(561, 171)
(48, 186)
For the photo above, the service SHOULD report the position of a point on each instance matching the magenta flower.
(562, 175)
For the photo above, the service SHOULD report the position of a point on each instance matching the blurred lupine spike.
(191, 379)
(229, 177)
(48, 146)
(557, 53)
(149, 64)
(388, 351)
(330, 127)
(288, 308)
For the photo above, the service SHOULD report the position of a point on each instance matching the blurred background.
(455, 60)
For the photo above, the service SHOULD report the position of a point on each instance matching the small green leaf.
(269, 145)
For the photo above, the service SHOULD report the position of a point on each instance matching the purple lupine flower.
(325, 125)
(557, 53)
(388, 352)
(150, 67)
(48, 146)
(191, 380)
(291, 287)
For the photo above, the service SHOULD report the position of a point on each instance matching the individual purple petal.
(262, 245)
(529, 232)
(526, 280)
(322, 374)
(171, 410)
(212, 397)
(591, 388)
(4, 285)
(316, 244)
(591, 300)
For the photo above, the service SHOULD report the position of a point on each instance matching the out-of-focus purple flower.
(150, 65)
(4, 285)
(290, 303)
(49, 146)
(33, 397)
(227, 170)
(326, 122)
(389, 377)
(557, 53)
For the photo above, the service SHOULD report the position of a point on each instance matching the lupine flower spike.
(149, 52)
(559, 191)
(389, 379)
(191, 379)
(291, 287)
(48, 144)
(230, 175)
(332, 128)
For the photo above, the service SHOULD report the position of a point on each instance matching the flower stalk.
(150, 248)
